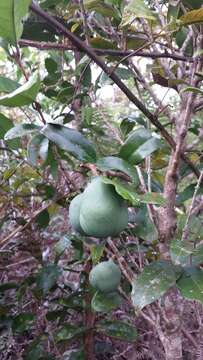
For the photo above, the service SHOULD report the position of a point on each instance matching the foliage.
(113, 90)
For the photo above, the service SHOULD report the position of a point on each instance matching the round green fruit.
(103, 212)
(105, 276)
(74, 213)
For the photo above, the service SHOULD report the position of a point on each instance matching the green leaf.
(68, 332)
(101, 7)
(43, 219)
(126, 191)
(188, 193)
(192, 17)
(154, 281)
(71, 141)
(34, 351)
(118, 329)
(185, 254)
(139, 144)
(37, 148)
(7, 85)
(106, 301)
(136, 9)
(116, 163)
(22, 322)
(97, 252)
(47, 277)
(51, 65)
(152, 198)
(11, 14)
(181, 252)
(5, 125)
(192, 89)
(20, 130)
(61, 246)
(190, 284)
(24, 94)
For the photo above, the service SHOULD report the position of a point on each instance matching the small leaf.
(106, 301)
(118, 329)
(61, 246)
(190, 284)
(192, 17)
(115, 163)
(97, 252)
(71, 141)
(7, 85)
(136, 9)
(47, 277)
(154, 281)
(43, 219)
(37, 148)
(20, 130)
(11, 14)
(24, 94)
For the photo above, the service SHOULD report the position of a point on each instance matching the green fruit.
(103, 212)
(105, 276)
(74, 214)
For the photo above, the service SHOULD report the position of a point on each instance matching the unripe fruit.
(105, 276)
(103, 212)
(74, 213)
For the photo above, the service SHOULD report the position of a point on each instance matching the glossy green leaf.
(7, 85)
(116, 163)
(24, 94)
(136, 9)
(105, 301)
(47, 277)
(71, 141)
(118, 329)
(139, 144)
(5, 125)
(126, 191)
(190, 284)
(12, 13)
(68, 332)
(20, 130)
(154, 281)
(37, 148)
(192, 17)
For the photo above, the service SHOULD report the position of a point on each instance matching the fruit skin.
(74, 213)
(103, 212)
(105, 276)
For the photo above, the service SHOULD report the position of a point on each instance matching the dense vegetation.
(101, 179)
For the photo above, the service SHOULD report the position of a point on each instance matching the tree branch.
(91, 53)
(107, 52)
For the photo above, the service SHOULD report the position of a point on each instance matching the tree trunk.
(169, 329)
